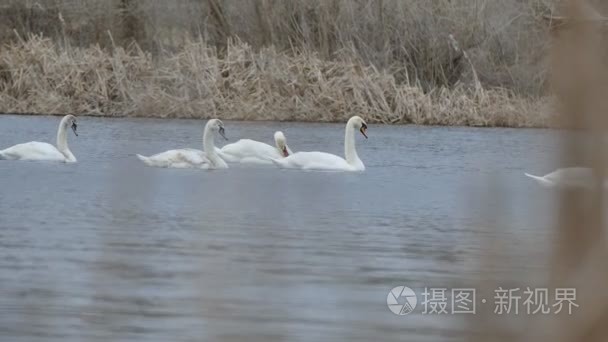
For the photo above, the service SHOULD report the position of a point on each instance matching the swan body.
(41, 151)
(320, 161)
(187, 158)
(578, 177)
(249, 151)
(329, 162)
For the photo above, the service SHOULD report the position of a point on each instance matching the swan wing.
(541, 180)
(256, 161)
(225, 156)
(314, 161)
(567, 177)
(32, 151)
(180, 158)
(573, 177)
(249, 151)
(571, 174)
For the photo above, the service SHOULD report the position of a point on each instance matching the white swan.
(575, 177)
(330, 162)
(192, 158)
(44, 151)
(249, 151)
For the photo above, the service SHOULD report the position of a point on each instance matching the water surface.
(108, 249)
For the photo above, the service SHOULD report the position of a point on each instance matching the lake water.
(110, 250)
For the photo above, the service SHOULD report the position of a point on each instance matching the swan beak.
(363, 129)
(223, 133)
(74, 128)
(285, 152)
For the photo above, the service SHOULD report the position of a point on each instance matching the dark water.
(110, 250)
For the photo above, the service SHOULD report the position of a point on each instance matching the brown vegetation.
(194, 82)
(390, 60)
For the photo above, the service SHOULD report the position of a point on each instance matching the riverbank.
(37, 75)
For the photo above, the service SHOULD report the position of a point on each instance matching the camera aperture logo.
(401, 300)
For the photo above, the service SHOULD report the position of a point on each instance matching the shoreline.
(271, 120)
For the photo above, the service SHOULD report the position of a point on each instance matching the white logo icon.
(401, 300)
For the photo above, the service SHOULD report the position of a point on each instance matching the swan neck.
(281, 146)
(209, 145)
(350, 153)
(277, 145)
(62, 140)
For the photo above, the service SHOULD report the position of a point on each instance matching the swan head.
(281, 142)
(216, 125)
(70, 121)
(358, 123)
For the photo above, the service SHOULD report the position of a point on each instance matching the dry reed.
(393, 61)
(37, 75)
(505, 39)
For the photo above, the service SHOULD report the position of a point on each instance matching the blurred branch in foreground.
(579, 79)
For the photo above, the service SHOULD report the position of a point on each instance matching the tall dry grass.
(505, 39)
(390, 60)
(38, 76)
